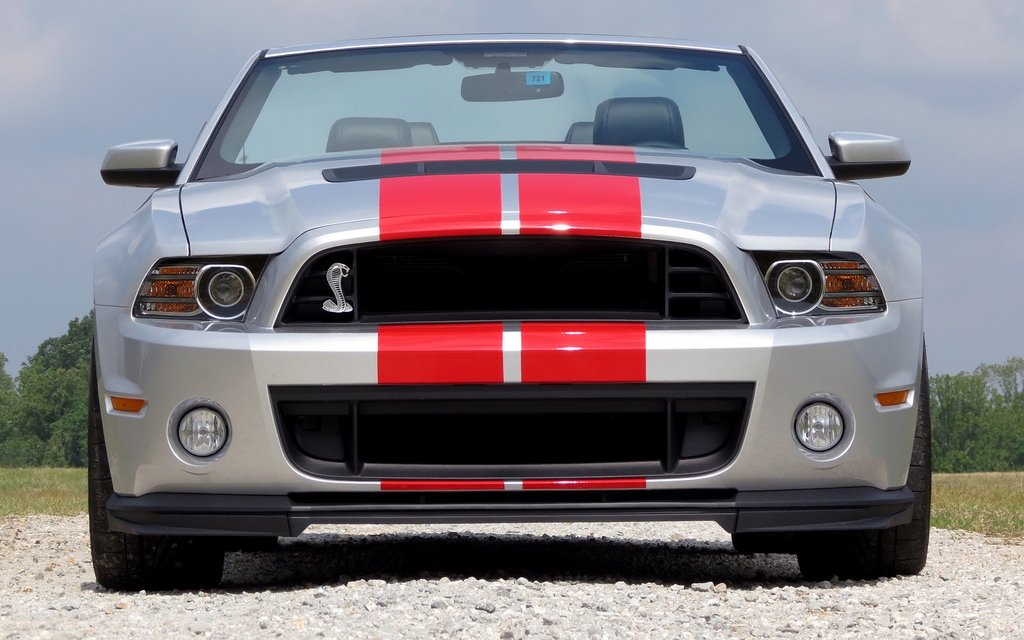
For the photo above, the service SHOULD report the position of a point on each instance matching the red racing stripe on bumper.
(584, 352)
(586, 204)
(585, 484)
(433, 206)
(569, 484)
(574, 152)
(439, 354)
(442, 485)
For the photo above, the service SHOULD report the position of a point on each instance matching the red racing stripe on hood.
(586, 204)
(445, 205)
(440, 153)
(575, 152)
(439, 354)
(560, 352)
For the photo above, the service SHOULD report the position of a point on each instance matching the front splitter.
(737, 512)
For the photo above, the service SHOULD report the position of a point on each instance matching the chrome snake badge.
(335, 273)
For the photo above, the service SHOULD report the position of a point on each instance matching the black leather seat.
(350, 134)
(580, 133)
(639, 122)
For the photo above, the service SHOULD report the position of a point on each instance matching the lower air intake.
(508, 432)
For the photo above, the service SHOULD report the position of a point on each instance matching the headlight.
(820, 284)
(205, 290)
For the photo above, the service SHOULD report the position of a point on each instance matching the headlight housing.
(210, 289)
(820, 284)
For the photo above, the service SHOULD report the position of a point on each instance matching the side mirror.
(857, 156)
(149, 163)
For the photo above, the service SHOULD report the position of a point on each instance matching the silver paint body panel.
(145, 154)
(867, 147)
(291, 213)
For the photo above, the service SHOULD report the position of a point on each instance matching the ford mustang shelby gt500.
(507, 279)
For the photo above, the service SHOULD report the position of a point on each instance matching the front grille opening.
(311, 290)
(516, 278)
(512, 279)
(697, 289)
(527, 432)
(686, 281)
(408, 434)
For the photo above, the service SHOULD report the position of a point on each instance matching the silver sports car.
(507, 279)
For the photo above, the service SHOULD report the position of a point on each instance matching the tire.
(900, 550)
(130, 562)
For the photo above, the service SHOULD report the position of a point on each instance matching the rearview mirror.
(857, 156)
(149, 163)
(505, 86)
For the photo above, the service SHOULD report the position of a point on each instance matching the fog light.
(819, 426)
(202, 432)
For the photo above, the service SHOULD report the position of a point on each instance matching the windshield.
(314, 105)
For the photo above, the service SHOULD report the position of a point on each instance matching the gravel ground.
(644, 580)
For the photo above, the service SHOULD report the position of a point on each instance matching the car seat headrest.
(639, 122)
(580, 133)
(350, 134)
(423, 134)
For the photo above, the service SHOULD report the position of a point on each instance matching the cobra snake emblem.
(335, 273)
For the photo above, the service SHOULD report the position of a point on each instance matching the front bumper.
(788, 362)
(736, 512)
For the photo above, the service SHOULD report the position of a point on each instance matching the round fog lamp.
(794, 283)
(819, 426)
(202, 432)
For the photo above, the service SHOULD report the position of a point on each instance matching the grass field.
(58, 492)
(989, 503)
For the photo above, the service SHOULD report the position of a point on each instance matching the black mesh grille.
(517, 278)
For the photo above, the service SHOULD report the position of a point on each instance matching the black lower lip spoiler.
(466, 167)
(736, 512)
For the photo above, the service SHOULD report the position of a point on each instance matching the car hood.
(265, 210)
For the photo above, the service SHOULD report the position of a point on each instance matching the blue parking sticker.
(538, 77)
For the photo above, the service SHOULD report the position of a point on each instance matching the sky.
(947, 76)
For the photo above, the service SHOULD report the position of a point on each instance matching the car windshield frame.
(765, 105)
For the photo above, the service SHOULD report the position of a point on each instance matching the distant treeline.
(977, 418)
(44, 411)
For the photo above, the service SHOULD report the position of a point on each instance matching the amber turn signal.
(893, 398)
(129, 405)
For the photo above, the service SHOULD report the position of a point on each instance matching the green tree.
(978, 419)
(959, 413)
(7, 398)
(6, 381)
(46, 423)
(1006, 422)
